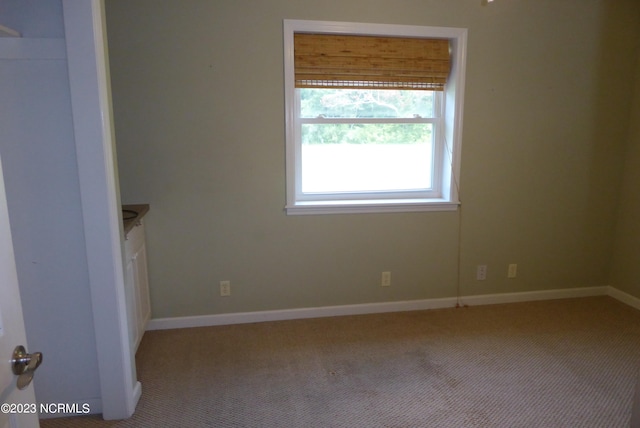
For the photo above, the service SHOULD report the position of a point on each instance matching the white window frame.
(445, 196)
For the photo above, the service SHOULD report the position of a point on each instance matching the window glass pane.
(365, 103)
(366, 157)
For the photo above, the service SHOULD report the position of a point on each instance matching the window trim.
(453, 100)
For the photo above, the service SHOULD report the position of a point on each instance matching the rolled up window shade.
(370, 62)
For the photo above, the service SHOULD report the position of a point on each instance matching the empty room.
(347, 213)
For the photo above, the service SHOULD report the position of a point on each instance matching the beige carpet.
(560, 363)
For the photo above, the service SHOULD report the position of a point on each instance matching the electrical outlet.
(225, 288)
(481, 272)
(513, 270)
(386, 279)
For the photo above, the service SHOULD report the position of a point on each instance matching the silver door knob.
(24, 365)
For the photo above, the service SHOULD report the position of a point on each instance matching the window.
(363, 136)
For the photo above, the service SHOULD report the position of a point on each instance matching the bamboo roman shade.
(370, 62)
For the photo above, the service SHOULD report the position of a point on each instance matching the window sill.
(370, 206)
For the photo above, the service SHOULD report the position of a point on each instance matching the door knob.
(24, 365)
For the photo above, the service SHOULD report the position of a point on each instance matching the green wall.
(199, 116)
(626, 265)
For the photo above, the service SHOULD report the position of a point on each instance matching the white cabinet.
(136, 284)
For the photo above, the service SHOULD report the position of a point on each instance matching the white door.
(17, 407)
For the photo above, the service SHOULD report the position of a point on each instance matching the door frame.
(86, 42)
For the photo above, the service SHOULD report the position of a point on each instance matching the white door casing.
(86, 42)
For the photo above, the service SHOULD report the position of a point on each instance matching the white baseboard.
(290, 314)
(626, 298)
(372, 308)
(530, 296)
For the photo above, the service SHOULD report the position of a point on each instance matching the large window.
(374, 128)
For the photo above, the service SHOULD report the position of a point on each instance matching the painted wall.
(41, 176)
(199, 116)
(625, 273)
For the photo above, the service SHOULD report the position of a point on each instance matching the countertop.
(129, 219)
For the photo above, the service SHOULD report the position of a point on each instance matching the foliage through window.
(367, 150)
(366, 140)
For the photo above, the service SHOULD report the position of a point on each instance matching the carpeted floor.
(559, 363)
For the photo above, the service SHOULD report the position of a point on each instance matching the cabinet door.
(142, 289)
(130, 290)
(138, 304)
